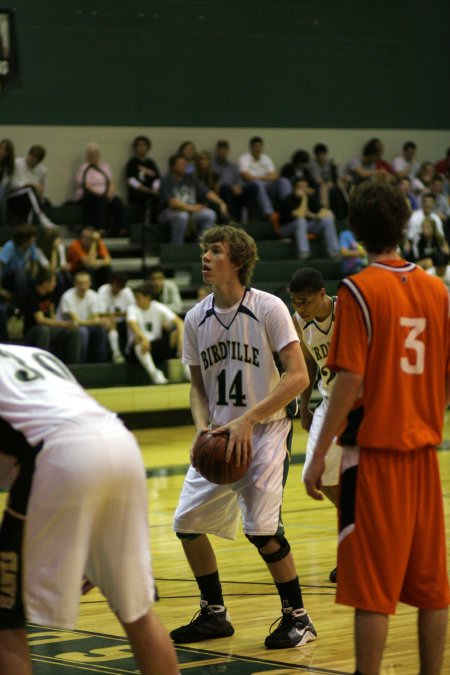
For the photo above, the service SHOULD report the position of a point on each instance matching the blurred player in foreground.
(77, 506)
(391, 349)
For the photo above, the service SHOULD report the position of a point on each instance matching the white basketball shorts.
(206, 508)
(333, 457)
(87, 515)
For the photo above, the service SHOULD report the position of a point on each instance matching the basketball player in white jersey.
(230, 338)
(313, 320)
(77, 506)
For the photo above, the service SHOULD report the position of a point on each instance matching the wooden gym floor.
(97, 645)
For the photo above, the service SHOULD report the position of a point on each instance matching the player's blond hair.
(242, 248)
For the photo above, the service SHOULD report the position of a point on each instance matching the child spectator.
(353, 254)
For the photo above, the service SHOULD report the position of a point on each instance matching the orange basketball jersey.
(392, 327)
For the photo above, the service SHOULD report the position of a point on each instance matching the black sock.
(210, 588)
(290, 594)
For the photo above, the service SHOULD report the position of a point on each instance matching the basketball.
(209, 459)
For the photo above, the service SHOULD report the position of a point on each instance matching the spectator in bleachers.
(441, 268)
(353, 255)
(95, 188)
(164, 290)
(381, 163)
(206, 174)
(299, 167)
(364, 167)
(441, 203)
(188, 150)
(429, 244)
(259, 170)
(115, 298)
(19, 259)
(26, 196)
(405, 186)
(54, 257)
(182, 199)
(81, 305)
(143, 179)
(232, 188)
(301, 213)
(6, 174)
(155, 333)
(406, 164)
(90, 253)
(415, 229)
(443, 167)
(41, 327)
(332, 190)
(204, 171)
(422, 182)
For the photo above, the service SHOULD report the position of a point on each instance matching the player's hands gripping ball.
(208, 456)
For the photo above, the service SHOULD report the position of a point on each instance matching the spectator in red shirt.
(89, 253)
(443, 166)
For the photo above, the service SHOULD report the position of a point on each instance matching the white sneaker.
(118, 358)
(158, 377)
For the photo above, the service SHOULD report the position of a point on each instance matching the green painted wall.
(233, 63)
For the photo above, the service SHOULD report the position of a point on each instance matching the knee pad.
(187, 535)
(261, 541)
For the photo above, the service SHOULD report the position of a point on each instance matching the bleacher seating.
(133, 255)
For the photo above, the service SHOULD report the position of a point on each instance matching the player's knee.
(261, 541)
(187, 536)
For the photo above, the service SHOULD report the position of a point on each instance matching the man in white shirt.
(258, 169)
(28, 185)
(81, 304)
(164, 290)
(115, 298)
(155, 333)
(406, 165)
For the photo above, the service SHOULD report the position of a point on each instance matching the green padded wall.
(232, 63)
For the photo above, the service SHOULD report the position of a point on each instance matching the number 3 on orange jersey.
(416, 326)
